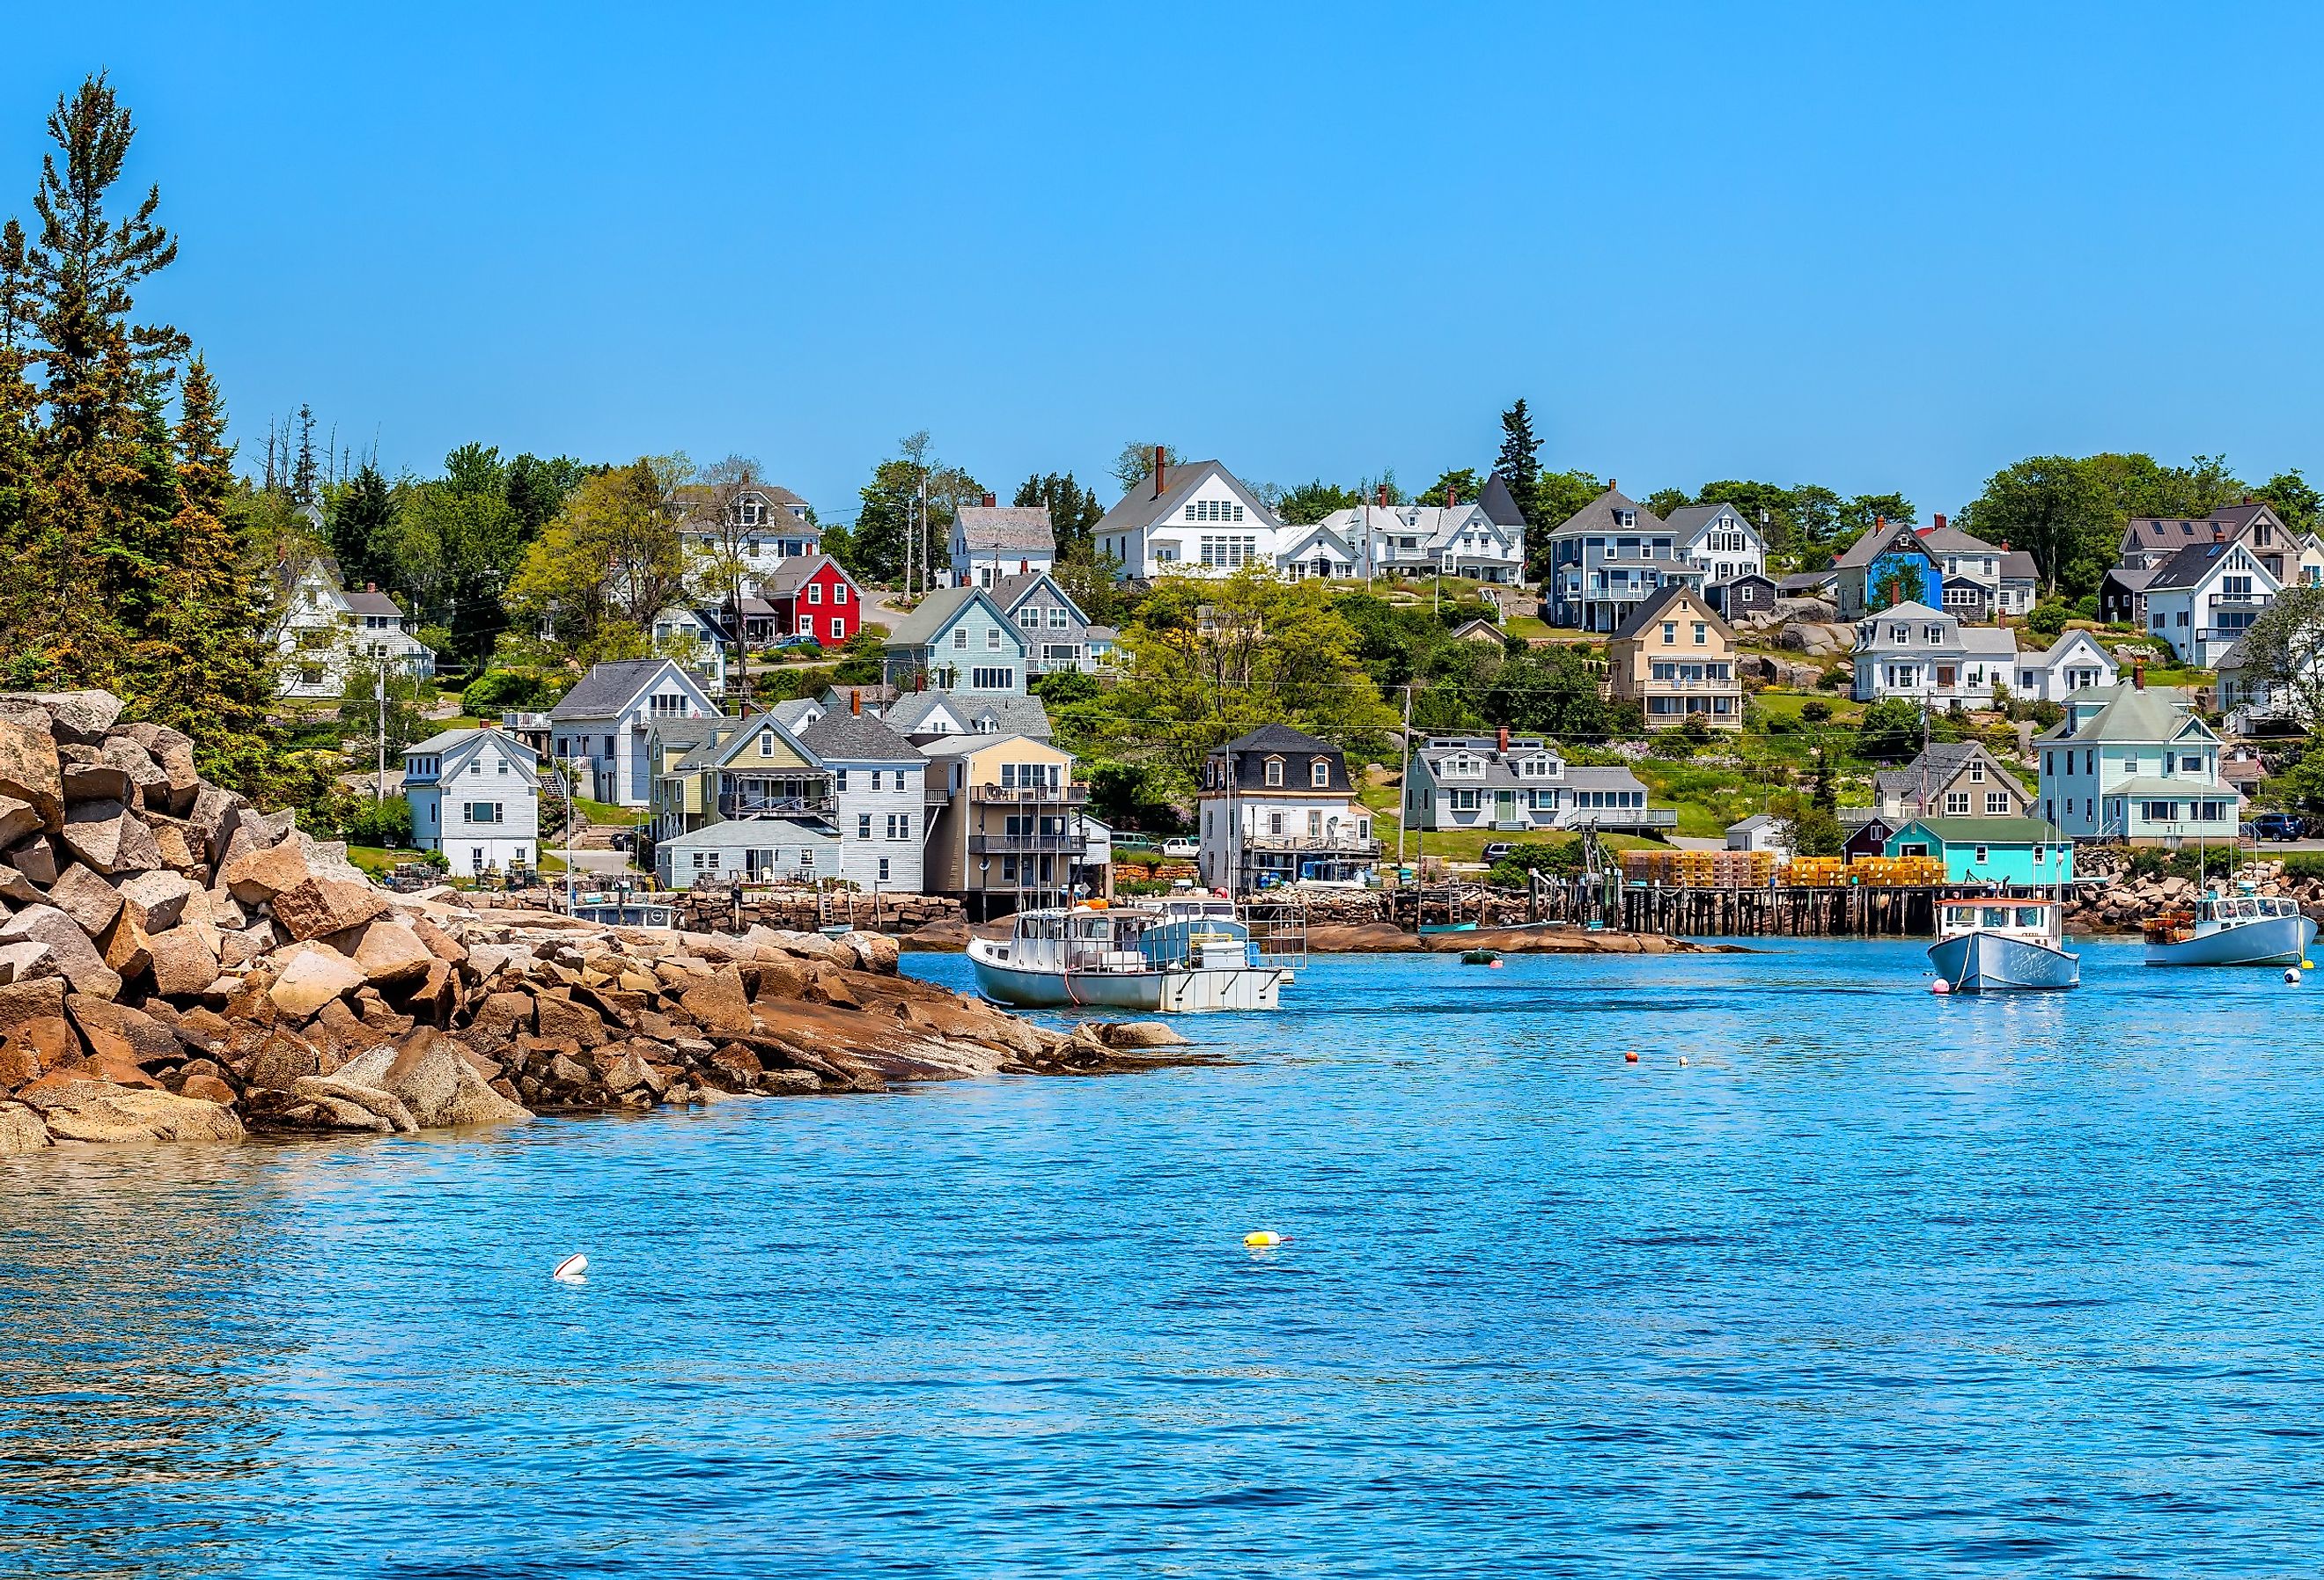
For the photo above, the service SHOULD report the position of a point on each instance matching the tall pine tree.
(1520, 466)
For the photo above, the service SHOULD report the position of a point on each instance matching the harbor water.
(1874, 1282)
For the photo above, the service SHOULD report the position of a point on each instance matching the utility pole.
(1404, 782)
(379, 782)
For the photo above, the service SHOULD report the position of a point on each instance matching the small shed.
(2025, 853)
(1759, 831)
(1868, 834)
(1743, 596)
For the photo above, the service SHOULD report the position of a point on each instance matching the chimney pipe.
(1161, 459)
(990, 500)
(2138, 674)
(855, 702)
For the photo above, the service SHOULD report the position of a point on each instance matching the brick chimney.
(1451, 497)
(1937, 522)
(990, 500)
(2218, 533)
(371, 586)
(1161, 461)
(1505, 740)
(855, 702)
(2138, 674)
(1380, 497)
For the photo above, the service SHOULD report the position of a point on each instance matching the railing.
(1029, 796)
(1618, 818)
(1026, 844)
(1693, 685)
(935, 795)
(732, 804)
(1331, 843)
(2221, 632)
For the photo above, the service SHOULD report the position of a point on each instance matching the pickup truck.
(1188, 848)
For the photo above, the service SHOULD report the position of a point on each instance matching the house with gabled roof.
(598, 729)
(1718, 540)
(474, 796)
(2294, 558)
(2076, 661)
(812, 596)
(993, 541)
(878, 793)
(1190, 518)
(1463, 538)
(958, 638)
(1606, 558)
(759, 809)
(1927, 655)
(1521, 784)
(1887, 565)
(2136, 763)
(324, 628)
(925, 716)
(1056, 632)
(768, 525)
(2204, 597)
(1322, 552)
(1010, 825)
(1674, 657)
(1951, 779)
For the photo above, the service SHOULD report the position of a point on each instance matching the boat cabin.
(2032, 920)
(2216, 913)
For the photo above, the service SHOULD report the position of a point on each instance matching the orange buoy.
(1630, 1057)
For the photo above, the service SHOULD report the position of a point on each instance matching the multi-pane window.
(982, 679)
(1957, 803)
(486, 812)
(1212, 510)
(1319, 773)
(1996, 803)
(1275, 770)
(1228, 553)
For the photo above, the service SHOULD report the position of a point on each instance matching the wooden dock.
(1798, 910)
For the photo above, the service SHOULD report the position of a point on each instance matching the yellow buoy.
(2308, 965)
(1262, 1237)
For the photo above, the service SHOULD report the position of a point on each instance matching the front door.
(1504, 806)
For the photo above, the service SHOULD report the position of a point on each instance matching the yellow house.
(1675, 657)
(1008, 828)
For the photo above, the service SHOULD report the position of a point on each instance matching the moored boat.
(1171, 957)
(2239, 930)
(2003, 945)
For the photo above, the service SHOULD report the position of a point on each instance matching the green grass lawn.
(377, 861)
(607, 815)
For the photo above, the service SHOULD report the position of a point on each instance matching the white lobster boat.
(1170, 957)
(2003, 945)
(2242, 929)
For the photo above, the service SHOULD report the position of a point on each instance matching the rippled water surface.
(1875, 1283)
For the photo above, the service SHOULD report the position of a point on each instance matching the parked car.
(1188, 848)
(2277, 826)
(1500, 850)
(1133, 842)
(796, 638)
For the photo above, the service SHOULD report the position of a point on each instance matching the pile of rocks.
(2123, 900)
(719, 910)
(176, 965)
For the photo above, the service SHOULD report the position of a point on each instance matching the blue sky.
(1871, 248)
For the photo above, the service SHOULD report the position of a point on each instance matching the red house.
(811, 595)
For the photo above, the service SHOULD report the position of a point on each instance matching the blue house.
(2025, 853)
(1888, 565)
(958, 639)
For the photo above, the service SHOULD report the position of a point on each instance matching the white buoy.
(2292, 974)
(570, 1271)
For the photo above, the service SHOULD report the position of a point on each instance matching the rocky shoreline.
(176, 965)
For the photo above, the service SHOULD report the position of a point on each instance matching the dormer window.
(1625, 518)
(1319, 773)
(1275, 770)
(750, 510)
(766, 743)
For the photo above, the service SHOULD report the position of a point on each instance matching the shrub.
(1556, 860)
(2049, 618)
(1672, 744)
(387, 823)
(495, 690)
(2304, 865)
(1815, 710)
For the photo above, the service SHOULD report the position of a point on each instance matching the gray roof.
(1592, 776)
(2188, 566)
(2131, 714)
(2235, 656)
(1498, 772)
(793, 573)
(1015, 715)
(1806, 581)
(2018, 565)
(924, 625)
(1755, 821)
(1953, 541)
(1690, 519)
(1939, 764)
(687, 732)
(1499, 506)
(373, 602)
(794, 713)
(1009, 591)
(953, 745)
(1598, 516)
(693, 497)
(1007, 528)
(2135, 581)
(608, 688)
(1876, 539)
(1141, 507)
(454, 744)
(841, 737)
(712, 746)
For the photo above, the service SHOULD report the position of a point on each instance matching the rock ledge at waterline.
(177, 965)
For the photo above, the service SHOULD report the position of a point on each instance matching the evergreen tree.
(1074, 510)
(361, 523)
(302, 472)
(1519, 465)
